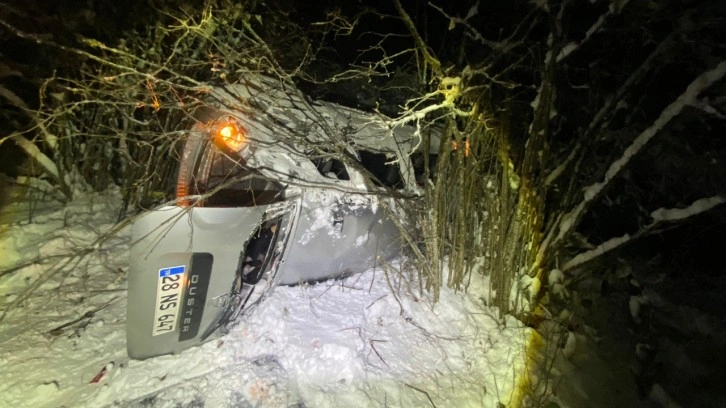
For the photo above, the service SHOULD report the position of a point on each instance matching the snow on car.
(273, 189)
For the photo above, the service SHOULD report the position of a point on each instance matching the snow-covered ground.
(354, 342)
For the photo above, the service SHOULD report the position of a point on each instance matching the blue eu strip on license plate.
(171, 271)
(168, 299)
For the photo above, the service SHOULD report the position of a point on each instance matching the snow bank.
(354, 342)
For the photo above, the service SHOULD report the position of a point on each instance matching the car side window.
(383, 174)
(331, 168)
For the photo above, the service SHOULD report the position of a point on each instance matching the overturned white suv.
(263, 199)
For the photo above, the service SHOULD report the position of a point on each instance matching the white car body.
(277, 211)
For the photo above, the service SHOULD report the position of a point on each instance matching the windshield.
(230, 183)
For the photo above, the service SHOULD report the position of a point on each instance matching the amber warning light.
(231, 135)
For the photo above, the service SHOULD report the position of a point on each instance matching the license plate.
(168, 299)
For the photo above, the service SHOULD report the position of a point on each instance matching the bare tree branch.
(660, 216)
(570, 221)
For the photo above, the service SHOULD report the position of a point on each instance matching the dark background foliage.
(683, 164)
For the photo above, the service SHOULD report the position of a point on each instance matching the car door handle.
(338, 218)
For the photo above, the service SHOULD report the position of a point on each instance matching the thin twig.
(373, 347)
(88, 315)
(421, 391)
